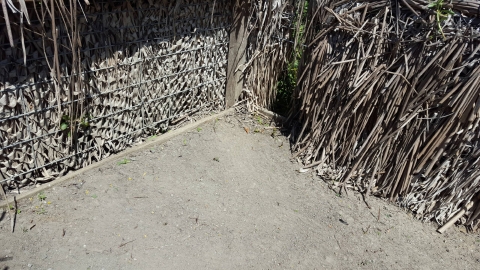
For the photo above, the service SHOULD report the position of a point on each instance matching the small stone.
(349, 219)
(29, 265)
(330, 259)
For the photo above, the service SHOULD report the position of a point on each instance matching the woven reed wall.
(145, 66)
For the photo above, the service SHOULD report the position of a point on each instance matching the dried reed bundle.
(269, 50)
(391, 106)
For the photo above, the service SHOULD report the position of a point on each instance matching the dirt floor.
(218, 197)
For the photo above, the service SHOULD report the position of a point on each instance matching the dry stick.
(23, 40)
(42, 18)
(14, 213)
(55, 71)
(7, 23)
(24, 11)
(413, 10)
(455, 218)
(338, 243)
(370, 184)
(126, 243)
(476, 213)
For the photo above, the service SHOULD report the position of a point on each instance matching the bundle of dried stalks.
(269, 48)
(389, 104)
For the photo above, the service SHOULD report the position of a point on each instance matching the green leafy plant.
(199, 129)
(441, 13)
(41, 196)
(66, 123)
(285, 87)
(288, 78)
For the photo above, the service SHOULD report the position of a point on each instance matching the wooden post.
(237, 51)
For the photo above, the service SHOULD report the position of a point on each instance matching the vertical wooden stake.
(237, 51)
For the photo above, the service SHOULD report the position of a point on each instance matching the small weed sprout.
(259, 120)
(41, 196)
(41, 211)
(124, 161)
(441, 13)
(274, 133)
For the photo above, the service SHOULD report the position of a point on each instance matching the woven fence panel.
(145, 65)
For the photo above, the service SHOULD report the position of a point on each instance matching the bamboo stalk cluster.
(389, 107)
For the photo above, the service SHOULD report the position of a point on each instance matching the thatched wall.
(114, 73)
(388, 103)
(270, 44)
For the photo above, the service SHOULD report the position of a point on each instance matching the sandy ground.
(220, 198)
